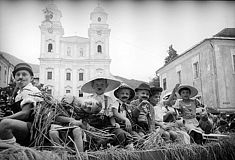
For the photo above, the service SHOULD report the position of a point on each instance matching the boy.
(16, 127)
(187, 109)
(142, 110)
(121, 110)
(77, 111)
(98, 86)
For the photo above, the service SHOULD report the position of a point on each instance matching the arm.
(169, 101)
(120, 116)
(23, 114)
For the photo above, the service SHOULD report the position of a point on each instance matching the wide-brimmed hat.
(112, 84)
(22, 66)
(155, 90)
(143, 86)
(192, 89)
(125, 86)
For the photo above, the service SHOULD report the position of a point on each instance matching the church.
(67, 62)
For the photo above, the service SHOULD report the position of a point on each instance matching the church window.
(99, 49)
(68, 76)
(81, 52)
(80, 93)
(69, 51)
(80, 76)
(99, 71)
(50, 47)
(49, 91)
(49, 75)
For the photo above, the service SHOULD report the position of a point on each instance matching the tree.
(155, 81)
(172, 54)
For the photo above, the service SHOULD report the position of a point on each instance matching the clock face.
(50, 30)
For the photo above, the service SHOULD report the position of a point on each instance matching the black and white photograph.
(117, 79)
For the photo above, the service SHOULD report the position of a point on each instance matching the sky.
(141, 31)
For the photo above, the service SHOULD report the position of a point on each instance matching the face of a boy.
(185, 94)
(23, 78)
(124, 94)
(99, 86)
(143, 94)
(155, 98)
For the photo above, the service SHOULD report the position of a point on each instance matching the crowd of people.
(129, 118)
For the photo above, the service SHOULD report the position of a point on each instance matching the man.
(16, 127)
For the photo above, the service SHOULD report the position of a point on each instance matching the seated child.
(77, 110)
(142, 110)
(97, 87)
(122, 112)
(187, 109)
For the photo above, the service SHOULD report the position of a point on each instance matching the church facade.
(66, 63)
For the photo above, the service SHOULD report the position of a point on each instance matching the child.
(77, 110)
(142, 110)
(121, 110)
(16, 127)
(187, 108)
(98, 86)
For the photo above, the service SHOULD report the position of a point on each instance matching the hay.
(210, 151)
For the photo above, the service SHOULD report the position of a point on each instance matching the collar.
(27, 87)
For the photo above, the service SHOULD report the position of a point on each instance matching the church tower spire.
(99, 33)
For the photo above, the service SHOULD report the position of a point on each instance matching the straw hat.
(125, 86)
(143, 86)
(22, 66)
(112, 84)
(192, 89)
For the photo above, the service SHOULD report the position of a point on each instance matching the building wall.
(5, 71)
(216, 78)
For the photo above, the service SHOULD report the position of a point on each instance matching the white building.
(67, 62)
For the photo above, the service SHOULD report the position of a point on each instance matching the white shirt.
(101, 99)
(28, 92)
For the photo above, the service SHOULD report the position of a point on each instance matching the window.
(67, 91)
(196, 70)
(68, 76)
(49, 91)
(68, 51)
(5, 74)
(81, 52)
(0, 72)
(80, 93)
(179, 76)
(49, 75)
(99, 19)
(233, 60)
(164, 84)
(99, 49)
(80, 77)
(50, 47)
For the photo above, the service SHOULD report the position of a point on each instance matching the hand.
(176, 87)
(128, 125)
